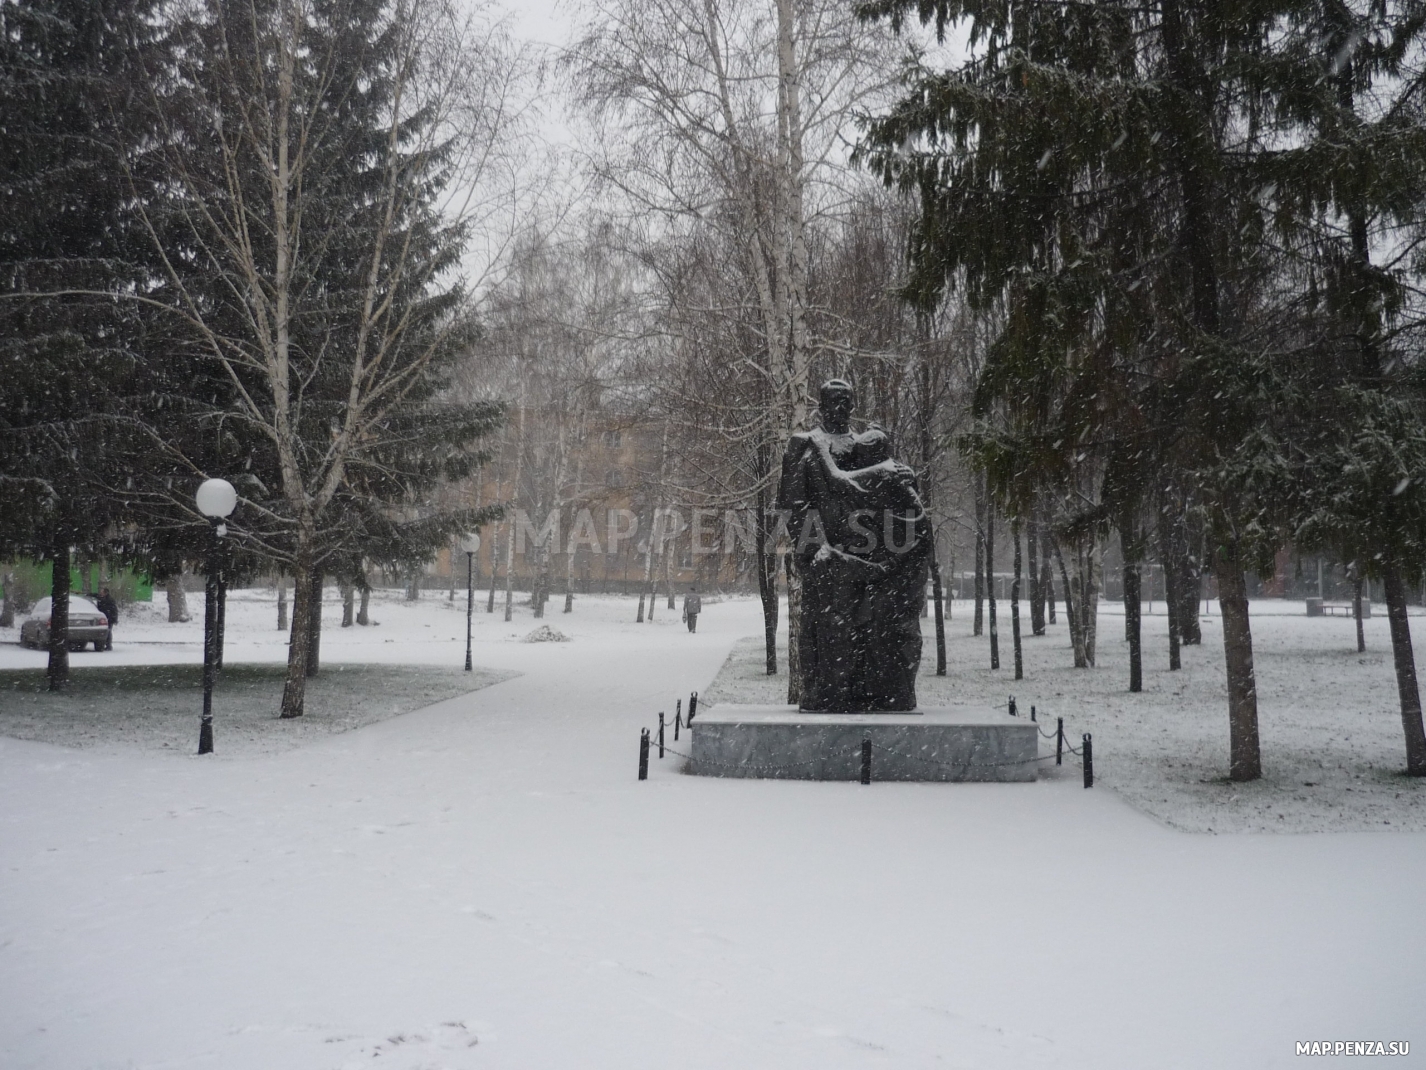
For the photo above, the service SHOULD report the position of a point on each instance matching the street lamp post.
(470, 544)
(216, 499)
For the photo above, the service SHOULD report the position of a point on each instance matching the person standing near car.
(105, 604)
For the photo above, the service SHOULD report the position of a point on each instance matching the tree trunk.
(765, 560)
(569, 577)
(7, 610)
(1172, 595)
(938, 597)
(1037, 591)
(177, 598)
(990, 585)
(1133, 601)
(648, 574)
(57, 671)
(300, 637)
(494, 567)
(364, 609)
(348, 590)
(979, 626)
(510, 571)
(1174, 603)
(1124, 593)
(281, 603)
(294, 690)
(1015, 603)
(1188, 580)
(1244, 756)
(314, 625)
(1047, 583)
(793, 575)
(1190, 632)
(1072, 613)
(1087, 563)
(1357, 614)
(1406, 684)
(1133, 607)
(515, 495)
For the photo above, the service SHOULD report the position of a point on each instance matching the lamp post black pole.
(469, 601)
(210, 639)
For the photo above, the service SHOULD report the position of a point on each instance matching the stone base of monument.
(925, 744)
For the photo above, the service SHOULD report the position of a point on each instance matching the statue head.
(834, 401)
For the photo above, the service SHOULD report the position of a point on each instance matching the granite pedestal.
(932, 743)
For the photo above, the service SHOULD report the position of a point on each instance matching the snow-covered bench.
(1316, 607)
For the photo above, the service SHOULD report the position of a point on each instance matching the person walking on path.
(692, 606)
(105, 604)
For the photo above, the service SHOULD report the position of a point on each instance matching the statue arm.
(857, 564)
(865, 480)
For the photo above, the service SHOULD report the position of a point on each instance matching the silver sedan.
(86, 625)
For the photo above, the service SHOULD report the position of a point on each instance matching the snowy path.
(484, 883)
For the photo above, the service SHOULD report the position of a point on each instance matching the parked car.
(86, 625)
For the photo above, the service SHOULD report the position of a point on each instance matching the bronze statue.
(863, 545)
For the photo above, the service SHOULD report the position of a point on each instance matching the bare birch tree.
(414, 105)
(736, 110)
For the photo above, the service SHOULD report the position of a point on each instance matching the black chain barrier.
(1085, 751)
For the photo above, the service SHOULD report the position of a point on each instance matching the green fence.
(32, 581)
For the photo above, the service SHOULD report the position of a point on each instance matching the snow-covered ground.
(145, 693)
(1332, 742)
(484, 883)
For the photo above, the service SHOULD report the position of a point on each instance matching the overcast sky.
(544, 21)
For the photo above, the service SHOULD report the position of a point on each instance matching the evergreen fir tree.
(318, 280)
(1092, 168)
(71, 128)
(1348, 190)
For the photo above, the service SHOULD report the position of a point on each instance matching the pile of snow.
(545, 634)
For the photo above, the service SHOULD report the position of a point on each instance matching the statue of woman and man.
(863, 546)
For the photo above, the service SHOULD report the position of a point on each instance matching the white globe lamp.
(216, 498)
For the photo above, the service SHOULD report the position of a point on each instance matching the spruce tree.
(1090, 167)
(71, 340)
(320, 278)
(1348, 192)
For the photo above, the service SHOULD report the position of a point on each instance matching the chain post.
(643, 754)
(1088, 757)
(660, 733)
(866, 761)
(1059, 741)
(692, 707)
